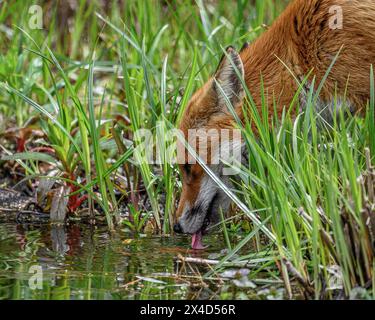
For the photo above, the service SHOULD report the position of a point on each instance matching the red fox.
(303, 42)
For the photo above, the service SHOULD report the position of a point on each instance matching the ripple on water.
(80, 262)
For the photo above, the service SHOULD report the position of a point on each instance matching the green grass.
(122, 69)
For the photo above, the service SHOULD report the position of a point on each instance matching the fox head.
(207, 114)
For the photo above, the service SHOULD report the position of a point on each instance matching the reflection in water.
(59, 239)
(82, 262)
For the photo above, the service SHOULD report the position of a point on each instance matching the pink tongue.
(196, 241)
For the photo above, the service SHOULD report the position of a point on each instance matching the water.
(82, 262)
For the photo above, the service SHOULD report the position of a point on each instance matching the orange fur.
(302, 39)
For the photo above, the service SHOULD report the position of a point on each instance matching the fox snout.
(199, 217)
(201, 214)
(177, 228)
(194, 220)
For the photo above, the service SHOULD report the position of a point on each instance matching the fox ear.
(227, 83)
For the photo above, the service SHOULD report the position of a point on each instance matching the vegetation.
(74, 94)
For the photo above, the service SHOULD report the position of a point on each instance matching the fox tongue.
(196, 241)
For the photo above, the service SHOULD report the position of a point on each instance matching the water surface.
(83, 262)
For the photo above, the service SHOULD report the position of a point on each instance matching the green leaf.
(36, 156)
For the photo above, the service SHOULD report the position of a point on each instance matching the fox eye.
(187, 168)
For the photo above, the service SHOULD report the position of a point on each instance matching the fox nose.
(177, 228)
